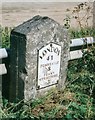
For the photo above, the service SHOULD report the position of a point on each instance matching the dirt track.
(14, 14)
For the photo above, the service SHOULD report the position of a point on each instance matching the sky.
(47, 0)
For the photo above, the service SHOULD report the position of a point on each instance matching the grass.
(5, 37)
(84, 32)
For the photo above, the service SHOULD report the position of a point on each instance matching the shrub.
(5, 37)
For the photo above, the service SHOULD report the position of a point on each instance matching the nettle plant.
(79, 10)
(82, 15)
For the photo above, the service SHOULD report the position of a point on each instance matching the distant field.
(14, 14)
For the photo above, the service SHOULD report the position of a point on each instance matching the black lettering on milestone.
(48, 58)
(57, 51)
(48, 49)
(51, 47)
(52, 57)
(41, 57)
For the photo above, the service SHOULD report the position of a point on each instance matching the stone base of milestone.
(38, 57)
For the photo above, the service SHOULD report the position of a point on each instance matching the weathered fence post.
(38, 57)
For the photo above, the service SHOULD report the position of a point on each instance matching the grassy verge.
(76, 102)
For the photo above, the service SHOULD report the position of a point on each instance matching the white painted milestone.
(49, 65)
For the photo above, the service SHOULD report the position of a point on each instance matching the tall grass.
(5, 37)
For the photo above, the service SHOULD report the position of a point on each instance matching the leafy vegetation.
(84, 32)
(5, 37)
